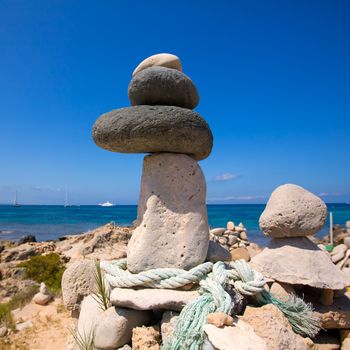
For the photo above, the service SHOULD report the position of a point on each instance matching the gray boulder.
(151, 129)
(163, 86)
(292, 211)
(172, 215)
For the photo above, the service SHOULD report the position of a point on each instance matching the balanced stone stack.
(291, 214)
(172, 224)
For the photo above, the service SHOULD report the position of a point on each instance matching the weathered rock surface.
(163, 86)
(42, 299)
(292, 211)
(270, 324)
(172, 215)
(168, 324)
(89, 314)
(146, 338)
(114, 327)
(161, 59)
(152, 299)
(78, 281)
(282, 290)
(219, 319)
(241, 336)
(240, 253)
(151, 129)
(216, 252)
(299, 261)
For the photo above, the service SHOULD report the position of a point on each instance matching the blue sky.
(273, 76)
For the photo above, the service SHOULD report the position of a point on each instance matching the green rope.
(213, 281)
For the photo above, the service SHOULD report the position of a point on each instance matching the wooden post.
(331, 228)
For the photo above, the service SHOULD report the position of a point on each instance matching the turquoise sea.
(50, 222)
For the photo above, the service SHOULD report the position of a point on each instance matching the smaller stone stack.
(291, 214)
(172, 223)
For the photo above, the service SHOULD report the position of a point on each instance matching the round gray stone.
(163, 86)
(152, 129)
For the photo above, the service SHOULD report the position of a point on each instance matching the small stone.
(3, 331)
(239, 229)
(150, 299)
(163, 86)
(241, 336)
(153, 129)
(217, 231)
(216, 252)
(24, 325)
(230, 226)
(347, 242)
(162, 60)
(241, 225)
(292, 211)
(232, 240)
(219, 319)
(240, 253)
(243, 235)
(42, 299)
(78, 280)
(115, 325)
(223, 240)
(282, 290)
(168, 324)
(146, 338)
(43, 289)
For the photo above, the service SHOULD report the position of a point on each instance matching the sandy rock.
(114, 327)
(219, 319)
(172, 215)
(217, 231)
(299, 261)
(217, 253)
(241, 336)
(24, 325)
(282, 290)
(230, 226)
(150, 299)
(161, 59)
(22, 252)
(163, 86)
(78, 280)
(146, 338)
(168, 324)
(240, 253)
(292, 211)
(3, 331)
(152, 129)
(270, 324)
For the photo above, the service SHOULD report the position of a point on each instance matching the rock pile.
(171, 205)
(44, 296)
(291, 214)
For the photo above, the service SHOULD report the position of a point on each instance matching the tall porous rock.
(172, 216)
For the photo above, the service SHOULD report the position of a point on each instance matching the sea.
(49, 222)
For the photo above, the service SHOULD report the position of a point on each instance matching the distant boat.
(15, 203)
(107, 204)
(66, 201)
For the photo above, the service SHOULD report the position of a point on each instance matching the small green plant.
(102, 294)
(45, 268)
(17, 301)
(84, 342)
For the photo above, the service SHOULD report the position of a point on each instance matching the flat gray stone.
(292, 211)
(163, 86)
(152, 299)
(216, 252)
(172, 217)
(152, 129)
(299, 261)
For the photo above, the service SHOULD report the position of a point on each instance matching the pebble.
(232, 240)
(240, 253)
(230, 226)
(223, 240)
(243, 235)
(219, 319)
(161, 59)
(217, 252)
(218, 231)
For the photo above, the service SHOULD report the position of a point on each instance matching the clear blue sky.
(273, 76)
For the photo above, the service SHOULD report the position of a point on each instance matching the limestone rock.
(168, 324)
(240, 253)
(292, 211)
(78, 280)
(161, 59)
(151, 129)
(282, 290)
(146, 338)
(241, 336)
(218, 231)
(270, 324)
(42, 299)
(216, 252)
(163, 86)
(299, 261)
(151, 299)
(219, 319)
(114, 327)
(172, 215)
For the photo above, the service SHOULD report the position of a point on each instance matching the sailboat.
(15, 203)
(107, 204)
(66, 201)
